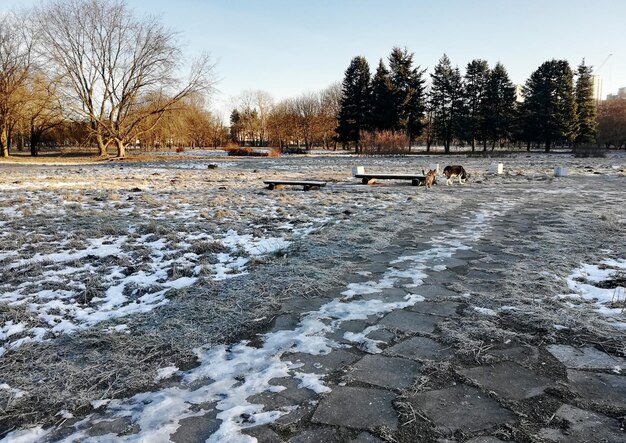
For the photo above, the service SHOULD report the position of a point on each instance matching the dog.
(452, 171)
(431, 178)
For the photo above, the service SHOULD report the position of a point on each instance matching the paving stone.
(461, 408)
(360, 408)
(431, 291)
(386, 372)
(322, 364)
(381, 334)
(486, 439)
(388, 295)
(285, 322)
(523, 355)
(366, 437)
(295, 416)
(115, 427)
(264, 434)
(476, 274)
(585, 358)
(449, 262)
(468, 254)
(348, 326)
(408, 321)
(194, 429)
(584, 427)
(299, 305)
(329, 435)
(606, 389)
(498, 378)
(442, 308)
(420, 348)
(441, 277)
(287, 397)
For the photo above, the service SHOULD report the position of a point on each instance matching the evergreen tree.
(408, 89)
(586, 113)
(550, 107)
(382, 101)
(476, 75)
(498, 106)
(353, 111)
(446, 101)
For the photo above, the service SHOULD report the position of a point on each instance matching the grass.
(69, 371)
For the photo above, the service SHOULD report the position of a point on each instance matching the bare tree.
(307, 110)
(15, 63)
(330, 100)
(41, 109)
(112, 62)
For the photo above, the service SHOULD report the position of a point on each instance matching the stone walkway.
(457, 364)
(422, 389)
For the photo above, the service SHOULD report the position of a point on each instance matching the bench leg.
(306, 187)
(270, 186)
(365, 180)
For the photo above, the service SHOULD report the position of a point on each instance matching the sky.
(289, 47)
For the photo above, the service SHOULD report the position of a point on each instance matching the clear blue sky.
(292, 46)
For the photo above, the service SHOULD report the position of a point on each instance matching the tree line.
(477, 108)
(304, 121)
(94, 71)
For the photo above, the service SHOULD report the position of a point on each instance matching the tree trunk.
(102, 147)
(121, 148)
(473, 144)
(4, 142)
(34, 141)
(548, 143)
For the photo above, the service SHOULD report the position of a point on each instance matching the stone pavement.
(423, 385)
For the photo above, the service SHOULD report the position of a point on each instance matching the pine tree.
(353, 112)
(446, 102)
(409, 92)
(476, 75)
(586, 113)
(382, 101)
(498, 106)
(549, 107)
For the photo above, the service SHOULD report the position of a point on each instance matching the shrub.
(245, 152)
(384, 142)
(180, 149)
(294, 150)
(585, 151)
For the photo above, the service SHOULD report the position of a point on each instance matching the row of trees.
(480, 106)
(96, 64)
(307, 120)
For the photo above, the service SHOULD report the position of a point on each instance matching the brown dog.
(430, 178)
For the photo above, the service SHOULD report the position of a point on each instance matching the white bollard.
(560, 171)
(434, 167)
(358, 170)
(495, 168)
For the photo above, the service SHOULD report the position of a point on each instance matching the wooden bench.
(306, 184)
(416, 180)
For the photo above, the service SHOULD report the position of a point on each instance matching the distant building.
(597, 88)
(621, 95)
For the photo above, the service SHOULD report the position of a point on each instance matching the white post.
(560, 171)
(495, 168)
(356, 170)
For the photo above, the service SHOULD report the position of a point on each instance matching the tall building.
(621, 95)
(597, 88)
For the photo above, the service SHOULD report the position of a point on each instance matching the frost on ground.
(116, 279)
